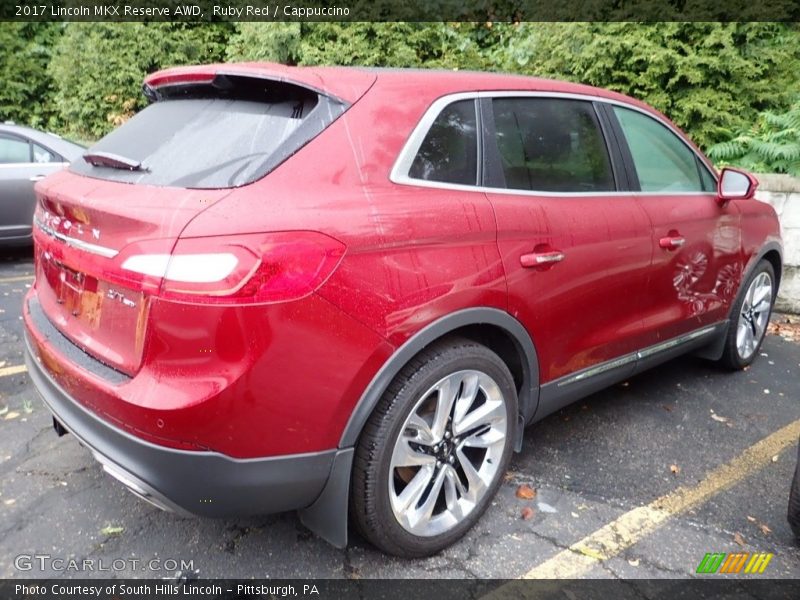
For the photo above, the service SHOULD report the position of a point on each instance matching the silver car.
(26, 156)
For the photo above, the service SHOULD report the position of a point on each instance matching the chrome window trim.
(409, 152)
(402, 165)
(75, 243)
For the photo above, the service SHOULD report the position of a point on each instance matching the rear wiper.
(115, 161)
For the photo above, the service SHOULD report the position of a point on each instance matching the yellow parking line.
(17, 279)
(622, 533)
(6, 371)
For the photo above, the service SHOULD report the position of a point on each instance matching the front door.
(696, 267)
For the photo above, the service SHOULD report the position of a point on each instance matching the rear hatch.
(105, 229)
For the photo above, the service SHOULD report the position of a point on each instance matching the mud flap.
(327, 516)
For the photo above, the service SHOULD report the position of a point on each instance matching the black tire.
(731, 357)
(794, 501)
(371, 510)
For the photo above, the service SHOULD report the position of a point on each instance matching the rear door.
(696, 243)
(575, 246)
(22, 164)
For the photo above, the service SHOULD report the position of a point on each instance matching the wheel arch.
(773, 253)
(497, 329)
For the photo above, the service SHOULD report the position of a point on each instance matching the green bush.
(772, 144)
(27, 90)
(710, 78)
(97, 68)
(431, 45)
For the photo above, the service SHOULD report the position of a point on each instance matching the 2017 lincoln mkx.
(347, 291)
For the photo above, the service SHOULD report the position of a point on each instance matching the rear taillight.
(246, 269)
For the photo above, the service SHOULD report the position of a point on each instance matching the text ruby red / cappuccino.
(276, 11)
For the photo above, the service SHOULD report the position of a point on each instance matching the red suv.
(349, 290)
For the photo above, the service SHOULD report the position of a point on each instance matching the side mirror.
(735, 184)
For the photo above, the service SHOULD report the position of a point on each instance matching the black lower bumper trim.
(200, 483)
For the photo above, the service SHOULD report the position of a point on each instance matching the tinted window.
(43, 155)
(664, 163)
(551, 144)
(213, 137)
(449, 152)
(13, 150)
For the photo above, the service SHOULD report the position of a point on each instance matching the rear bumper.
(188, 482)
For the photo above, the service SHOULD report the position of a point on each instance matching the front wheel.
(434, 452)
(750, 317)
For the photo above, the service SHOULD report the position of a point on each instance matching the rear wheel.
(751, 313)
(434, 452)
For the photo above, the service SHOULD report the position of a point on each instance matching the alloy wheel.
(754, 315)
(448, 453)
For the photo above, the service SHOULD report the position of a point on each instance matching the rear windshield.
(210, 142)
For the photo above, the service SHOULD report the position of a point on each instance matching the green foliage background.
(715, 80)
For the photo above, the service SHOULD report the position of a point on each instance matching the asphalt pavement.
(638, 481)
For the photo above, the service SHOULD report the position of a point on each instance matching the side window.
(551, 145)
(709, 183)
(664, 163)
(13, 150)
(449, 152)
(43, 155)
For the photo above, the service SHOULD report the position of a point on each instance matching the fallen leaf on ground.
(716, 417)
(527, 513)
(575, 515)
(591, 553)
(544, 507)
(751, 519)
(737, 537)
(12, 415)
(764, 529)
(9, 502)
(788, 328)
(112, 530)
(634, 562)
(774, 458)
(666, 407)
(675, 469)
(526, 492)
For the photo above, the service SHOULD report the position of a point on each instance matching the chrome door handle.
(671, 242)
(36, 177)
(537, 259)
